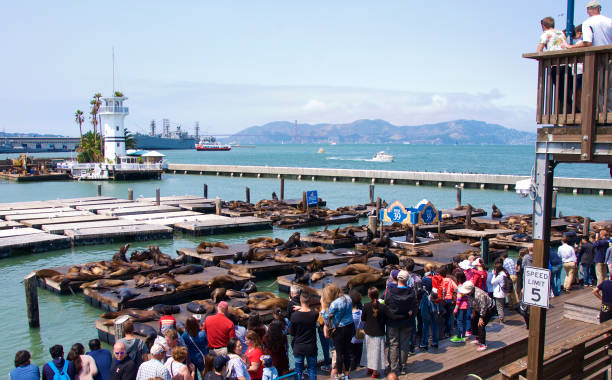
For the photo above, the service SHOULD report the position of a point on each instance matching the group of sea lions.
(276, 249)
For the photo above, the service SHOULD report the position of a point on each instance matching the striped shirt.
(152, 368)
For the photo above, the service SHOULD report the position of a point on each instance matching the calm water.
(67, 319)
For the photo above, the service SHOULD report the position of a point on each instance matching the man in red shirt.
(219, 329)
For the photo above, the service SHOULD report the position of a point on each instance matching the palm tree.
(119, 94)
(79, 119)
(88, 149)
(130, 142)
(96, 103)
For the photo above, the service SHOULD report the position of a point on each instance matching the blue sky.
(234, 64)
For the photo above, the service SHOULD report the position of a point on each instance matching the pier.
(414, 178)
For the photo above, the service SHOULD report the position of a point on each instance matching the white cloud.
(314, 105)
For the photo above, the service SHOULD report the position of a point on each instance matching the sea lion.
(191, 284)
(160, 258)
(103, 283)
(196, 308)
(218, 295)
(274, 196)
(388, 258)
(143, 329)
(284, 259)
(292, 242)
(318, 275)
(221, 279)
(122, 272)
(355, 269)
(261, 296)
(205, 245)
(249, 287)
(120, 255)
(164, 279)
(44, 273)
(141, 281)
(236, 294)
(141, 256)
(301, 275)
(314, 265)
(240, 272)
(269, 303)
(238, 313)
(143, 315)
(363, 259)
(166, 309)
(239, 304)
(187, 269)
(124, 294)
(166, 288)
(363, 279)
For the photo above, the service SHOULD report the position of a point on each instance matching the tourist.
(255, 324)
(430, 309)
(608, 261)
(169, 341)
(196, 343)
(603, 291)
(275, 343)
(528, 258)
(374, 315)
(277, 315)
(551, 39)
(102, 357)
(556, 266)
(269, 371)
(209, 362)
(585, 252)
(294, 299)
(326, 344)
(401, 302)
(302, 328)
(154, 367)
(499, 294)
(135, 347)
(510, 268)
(176, 365)
(600, 246)
(482, 311)
(236, 366)
(84, 365)
(449, 291)
(479, 274)
(24, 370)
(254, 352)
(219, 329)
(568, 256)
(219, 368)
(519, 271)
(357, 340)
(123, 367)
(415, 320)
(239, 330)
(461, 311)
(57, 365)
(337, 310)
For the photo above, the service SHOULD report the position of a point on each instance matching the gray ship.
(166, 140)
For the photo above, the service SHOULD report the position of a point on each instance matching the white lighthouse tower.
(112, 114)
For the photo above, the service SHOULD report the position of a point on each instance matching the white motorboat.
(383, 157)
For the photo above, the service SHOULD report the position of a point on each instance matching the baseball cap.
(466, 288)
(593, 4)
(394, 273)
(220, 361)
(403, 276)
(157, 349)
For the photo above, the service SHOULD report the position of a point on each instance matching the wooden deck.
(485, 234)
(215, 255)
(340, 219)
(61, 227)
(32, 243)
(137, 210)
(583, 307)
(443, 252)
(111, 234)
(79, 219)
(217, 224)
(46, 215)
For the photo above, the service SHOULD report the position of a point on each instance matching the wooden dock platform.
(217, 224)
(484, 234)
(106, 300)
(10, 224)
(46, 215)
(5, 213)
(443, 252)
(79, 219)
(215, 255)
(582, 307)
(112, 234)
(95, 207)
(137, 210)
(32, 243)
(340, 219)
(161, 215)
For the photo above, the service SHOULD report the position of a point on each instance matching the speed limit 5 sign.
(536, 286)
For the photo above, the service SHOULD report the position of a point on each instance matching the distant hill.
(4, 134)
(382, 132)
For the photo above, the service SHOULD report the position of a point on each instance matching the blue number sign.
(395, 213)
(312, 198)
(424, 213)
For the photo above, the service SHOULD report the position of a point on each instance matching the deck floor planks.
(38, 223)
(10, 224)
(108, 206)
(19, 232)
(137, 210)
(119, 233)
(33, 243)
(61, 227)
(340, 219)
(215, 255)
(485, 234)
(60, 214)
(211, 224)
(42, 210)
(161, 215)
(443, 252)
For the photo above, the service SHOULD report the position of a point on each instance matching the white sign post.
(536, 287)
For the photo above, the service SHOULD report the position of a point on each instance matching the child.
(461, 309)
(269, 371)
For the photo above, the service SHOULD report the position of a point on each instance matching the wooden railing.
(581, 356)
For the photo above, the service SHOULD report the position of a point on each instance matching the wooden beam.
(30, 283)
(588, 105)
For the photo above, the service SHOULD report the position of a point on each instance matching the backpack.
(57, 375)
(507, 286)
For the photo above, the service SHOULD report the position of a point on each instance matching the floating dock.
(216, 224)
(215, 255)
(113, 234)
(31, 243)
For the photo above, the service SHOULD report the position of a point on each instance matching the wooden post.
(587, 227)
(371, 193)
(99, 190)
(304, 201)
(458, 196)
(157, 196)
(130, 195)
(205, 190)
(414, 234)
(372, 220)
(31, 291)
(553, 211)
(282, 189)
(248, 194)
(468, 216)
(439, 226)
(119, 322)
(378, 205)
(484, 250)
(218, 206)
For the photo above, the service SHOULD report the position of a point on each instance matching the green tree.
(119, 94)
(88, 150)
(130, 141)
(96, 103)
(79, 119)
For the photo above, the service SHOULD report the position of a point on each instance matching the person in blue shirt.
(196, 342)
(58, 363)
(556, 265)
(337, 310)
(600, 246)
(103, 359)
(24, 370)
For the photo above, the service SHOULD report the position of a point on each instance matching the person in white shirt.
(510, 267)
(597, 31)
(568, 256)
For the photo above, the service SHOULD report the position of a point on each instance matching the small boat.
(321, 150)
(383, 157)
(209, 143)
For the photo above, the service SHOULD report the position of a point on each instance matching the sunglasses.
(120, 353)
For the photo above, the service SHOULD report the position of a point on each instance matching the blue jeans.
(299, 366)
(556, 279)
(448, 317)
(430, 320)
(463, 322)
(324, 346)
(588, 274)
(413, 334)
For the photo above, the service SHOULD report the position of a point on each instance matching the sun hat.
(466, 288)
(403, 276)
(157, 349)
(220, 361)
(465, 265)
(593, 4)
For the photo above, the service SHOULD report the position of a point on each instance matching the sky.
(234, 64)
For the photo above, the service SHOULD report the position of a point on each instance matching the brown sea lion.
(191, 284)
(240, 271)
(219, 294)
(44, 273)
(103, 283)
(363, 279)
(187, 269)
(355, 269)
(238, 313)
(120, 256)
(141, 281)
(363, 259)
(318, 275)
(222, 279)
(231, 293)
(122, 272)
(164, 279)
(134, 313)
(284, 259)
(269, 303)
(208, 304)
(141, 255)
(496, 212)
(314, 266)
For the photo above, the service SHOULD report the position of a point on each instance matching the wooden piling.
(371, 193)
(130, 194)
(99, 190)
(157, 196)
(304, 201)
(218, 206)
(484, 250)
(205, 189)
(468, 216)
(414, 234)
(31, 291)
(587, 227)
(119, 322)
(458, 196)
(248, 194)
(378, 205)
(372, 224)
(282, 189)
(554, 203)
